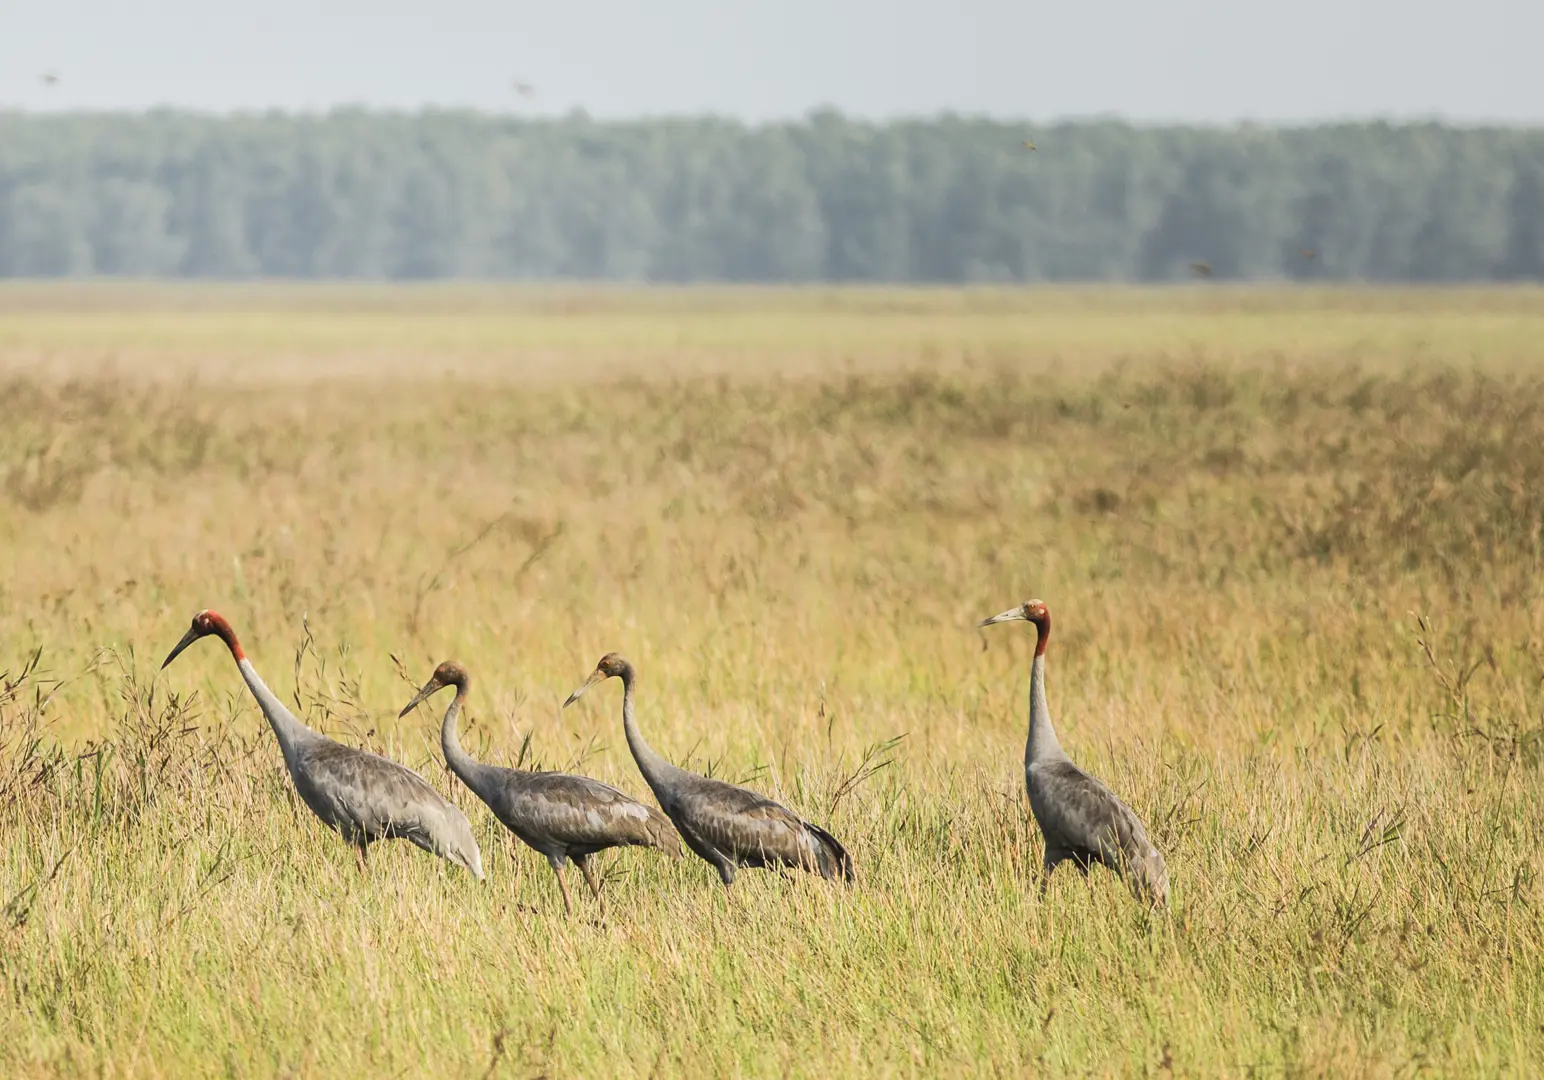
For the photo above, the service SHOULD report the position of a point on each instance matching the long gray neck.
(1042, 744)
(290, 732)
(459, 761)
(656, 770)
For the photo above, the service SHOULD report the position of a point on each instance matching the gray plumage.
(364, 796)
(1080, 819)
(727, 825)
(560, 815)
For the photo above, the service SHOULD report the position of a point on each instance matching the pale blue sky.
(1208, 60)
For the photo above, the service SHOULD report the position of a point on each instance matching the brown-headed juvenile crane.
(729, 826)
(362, 795)
(562, 816)
(1079, 817)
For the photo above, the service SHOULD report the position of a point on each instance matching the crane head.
(1030, 611)
(450, 673)
(611, 666)
(205, 623)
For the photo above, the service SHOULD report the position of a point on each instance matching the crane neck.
(1042, 744)
(656, 770)
(460, 762)
(291, 733)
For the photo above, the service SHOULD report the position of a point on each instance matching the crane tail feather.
(834, 860)
(663, 835)
(1149, 878)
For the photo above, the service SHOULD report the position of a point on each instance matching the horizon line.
(809, 116)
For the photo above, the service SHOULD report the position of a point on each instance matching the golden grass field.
(1291, 540)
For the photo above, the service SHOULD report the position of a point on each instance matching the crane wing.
(748, 828)
(1080, 815)
(366, 791)
(576, 811)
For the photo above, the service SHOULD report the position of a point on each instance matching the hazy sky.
(1144, 59)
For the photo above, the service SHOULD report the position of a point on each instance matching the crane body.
(364, 796)
(1080, 819)
(726, 825)
(564, 817)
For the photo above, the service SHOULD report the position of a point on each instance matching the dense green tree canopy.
(443, 194)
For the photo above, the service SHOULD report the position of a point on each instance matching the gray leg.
(568, 904)
(1053, 856)
(583, 863)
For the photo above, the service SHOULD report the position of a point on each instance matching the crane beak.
(1011, 615)
(595, 676)
(189, 638)
(429, 687)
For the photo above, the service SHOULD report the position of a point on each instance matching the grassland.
(1292, 540)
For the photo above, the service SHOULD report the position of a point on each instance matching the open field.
(787, 508)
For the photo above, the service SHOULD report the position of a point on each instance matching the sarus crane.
(560, 815)
(727, 825)
(1079, 817)
(362, 795)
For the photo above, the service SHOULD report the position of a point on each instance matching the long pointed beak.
(1010, 615)
(429, 687)
(595, 676)
(187, 639)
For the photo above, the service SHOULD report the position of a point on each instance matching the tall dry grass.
(1291, 540)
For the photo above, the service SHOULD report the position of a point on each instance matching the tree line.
(438, 194)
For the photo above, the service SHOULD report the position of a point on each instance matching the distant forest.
(356, 194)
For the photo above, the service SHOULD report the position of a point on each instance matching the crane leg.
(726, 874)
(1051, 860)
(589, 879)
(359, 851)
(568, 904)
